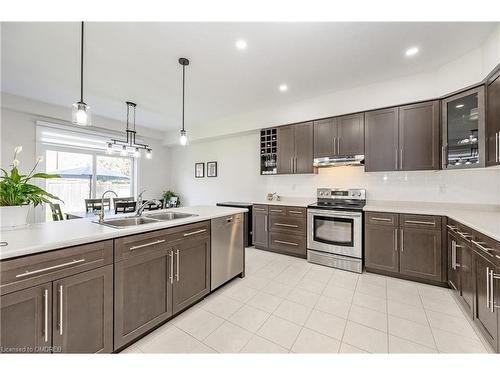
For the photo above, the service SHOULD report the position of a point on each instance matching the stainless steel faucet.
(143, 206)
(101, 212)
(139, 196)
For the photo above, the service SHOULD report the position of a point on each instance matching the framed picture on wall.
(211, 169)
(199, 170)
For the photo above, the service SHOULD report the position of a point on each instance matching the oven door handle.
(329, 213)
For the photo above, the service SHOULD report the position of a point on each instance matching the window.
(86, 170)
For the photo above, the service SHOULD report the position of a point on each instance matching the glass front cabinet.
(463, 130)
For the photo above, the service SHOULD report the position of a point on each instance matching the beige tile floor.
(285, 304)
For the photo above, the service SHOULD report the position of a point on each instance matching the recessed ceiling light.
(459, 106)
(283, 87)
(411, 51)
(241, 44)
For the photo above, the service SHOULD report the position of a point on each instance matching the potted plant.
(17, 195)
(167, 195)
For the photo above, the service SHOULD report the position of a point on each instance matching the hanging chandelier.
(81, 111)
(129, 146)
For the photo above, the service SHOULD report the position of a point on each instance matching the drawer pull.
(259, 209)
(464, 235)
(485, 249)
(276, 210)
(146, 245)
(286, 225)
(29, 273)
(381, 219)
(295, 212)
(195, 232)
(420, 222)
(286, 243)
(451, 227)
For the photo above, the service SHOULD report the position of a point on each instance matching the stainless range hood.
(335, 161)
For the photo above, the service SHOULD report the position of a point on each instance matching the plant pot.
(14, 216)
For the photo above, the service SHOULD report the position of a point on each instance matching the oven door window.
(333, 230)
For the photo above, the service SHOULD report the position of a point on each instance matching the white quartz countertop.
(53, 235)
(297, 202)
(483, 218)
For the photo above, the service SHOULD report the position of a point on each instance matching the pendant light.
(81, 111)
(129, 146)
(184, 62)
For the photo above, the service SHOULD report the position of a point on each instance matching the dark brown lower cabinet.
(486, 315)
(191, 280)
(381, 252)
(260, 226)
(420, 253)
(83, 312)
(404, 245)
(26, 320)
(143, 293)
(464, 265)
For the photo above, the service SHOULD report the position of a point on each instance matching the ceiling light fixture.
(130, 144)
(81, 111)
(283, 87)
(184, 62)
(241, 44)
(411, 51)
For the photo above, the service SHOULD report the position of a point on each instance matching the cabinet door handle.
(28, 273)
(265, 223)
(171, 267)
(453, 255)
(402, 240)
(146, 245)
(60, 310)
(286, 243)
(488, 288)
(401, 158)
(464, 235)
(497, 154)
(338, 145)
(334, 145)
(395, 240)
(452, 227)
(396, 161)
(195, 232)
(291, 165)
(420, 222)
(286, 225)
(46, 315)
(380, 219)
(177, 266)
(487, 250)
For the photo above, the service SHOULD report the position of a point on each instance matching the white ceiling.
(138, 62)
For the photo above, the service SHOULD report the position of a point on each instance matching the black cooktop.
(339, 204)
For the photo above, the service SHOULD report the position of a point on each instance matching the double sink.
(131, 221)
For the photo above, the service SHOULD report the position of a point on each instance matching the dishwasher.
(227, 250)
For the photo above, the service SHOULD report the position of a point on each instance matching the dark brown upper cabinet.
(419, 144)
(463, 122)
(403, 138)
(295, 148)
(339, 136)
(381, 140)
(350, 134)
(493, 120)
(325, 133)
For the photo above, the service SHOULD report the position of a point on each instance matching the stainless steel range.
(335, 229)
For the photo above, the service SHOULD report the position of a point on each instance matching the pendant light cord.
(81, 64)
(183, 93)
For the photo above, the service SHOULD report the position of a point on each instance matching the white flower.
(15, 163)
(40, 159)
(18, 149)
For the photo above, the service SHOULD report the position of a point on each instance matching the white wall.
(239, 178)
(238, 170)
(17, 127)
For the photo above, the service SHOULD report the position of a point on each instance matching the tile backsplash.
(480, 185)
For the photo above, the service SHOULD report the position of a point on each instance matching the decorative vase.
(14, 216)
